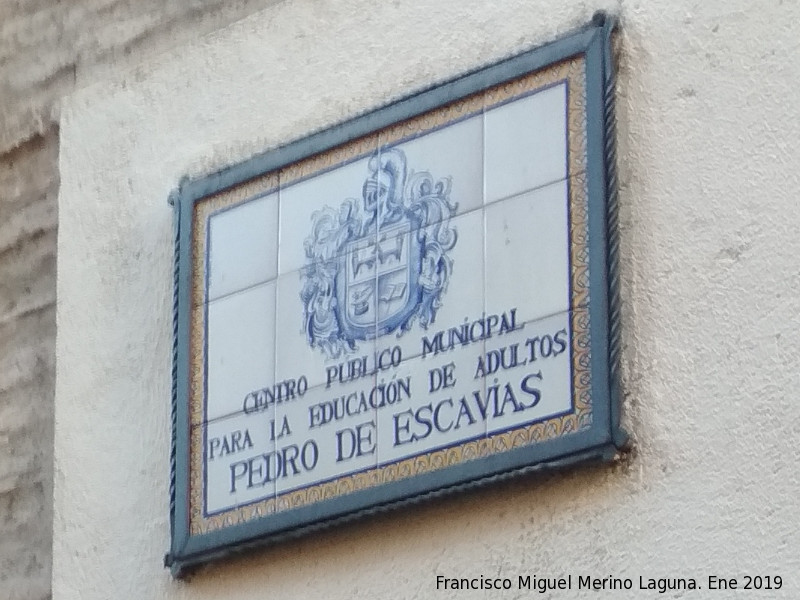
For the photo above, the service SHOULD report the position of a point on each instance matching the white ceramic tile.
(534, 378)
(328, 432)
(461, 299)
(243, 246)
(295, 357)
(431, 416)
(452, 155)
(526, 143)
(241, 353)
(527, 262)
(322, 200)
(239, 461)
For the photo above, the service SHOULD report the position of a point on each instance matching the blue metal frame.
(599, 442)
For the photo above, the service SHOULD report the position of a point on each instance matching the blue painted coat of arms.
(379, 262)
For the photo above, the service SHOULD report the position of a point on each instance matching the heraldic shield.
(375, 265)
(378, 284)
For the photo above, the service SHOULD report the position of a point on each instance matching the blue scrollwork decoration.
(377, 263)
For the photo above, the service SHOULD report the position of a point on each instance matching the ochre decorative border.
(444, 115)
(572, 71)
(260, 186)
(335, 157)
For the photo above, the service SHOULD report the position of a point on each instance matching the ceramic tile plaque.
(414, 301)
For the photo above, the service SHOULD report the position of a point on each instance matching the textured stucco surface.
(28, 218)
(48, 49)
(709, 142)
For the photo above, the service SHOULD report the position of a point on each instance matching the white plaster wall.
(710, 143)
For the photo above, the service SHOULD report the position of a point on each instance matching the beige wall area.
(709, 141)
(47, 50)
(28, 217)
